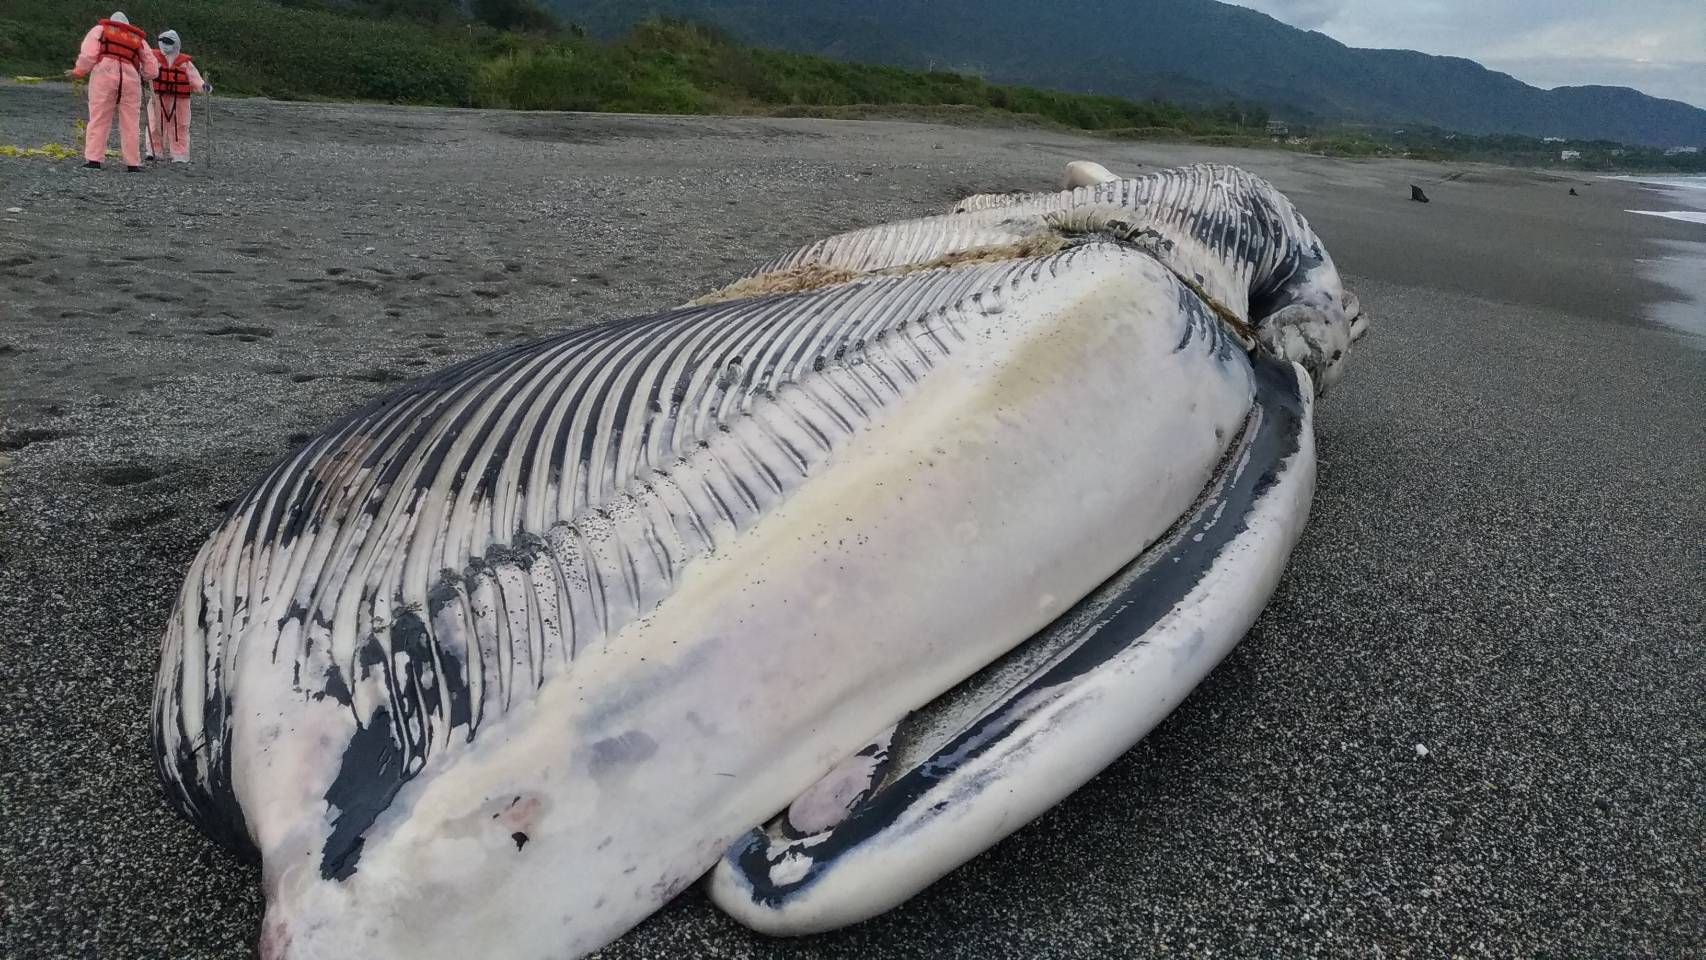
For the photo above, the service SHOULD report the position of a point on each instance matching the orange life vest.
(123, 42)
(174, 78)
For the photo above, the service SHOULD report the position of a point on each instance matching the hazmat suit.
(116, 59)
(169, 111)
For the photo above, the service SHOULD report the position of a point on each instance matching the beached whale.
(823, 584)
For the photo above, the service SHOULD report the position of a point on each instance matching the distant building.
(1551, 139)
(1278, 128)
(1679, 151)
(1569, 154)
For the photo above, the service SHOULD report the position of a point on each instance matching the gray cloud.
(1658, 46)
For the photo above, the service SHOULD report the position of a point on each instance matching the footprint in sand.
(240, 331)
(125, 475)
(137, 522)
(29, 436)
(377, 375)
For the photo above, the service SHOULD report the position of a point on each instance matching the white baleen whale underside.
(827, 590)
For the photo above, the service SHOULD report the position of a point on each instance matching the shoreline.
(1500, 565)
(934, 115)
(1679, 265)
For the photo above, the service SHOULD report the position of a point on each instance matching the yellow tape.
(52, 151)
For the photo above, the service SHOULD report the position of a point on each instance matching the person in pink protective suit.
(169, 111)
(116, 59)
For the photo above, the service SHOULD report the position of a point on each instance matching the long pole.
(79, 110)
(147, 141)
(209, 111)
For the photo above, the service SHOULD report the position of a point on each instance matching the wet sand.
(1507, 561)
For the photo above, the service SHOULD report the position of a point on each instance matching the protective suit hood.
(170, 44)
(119, 17)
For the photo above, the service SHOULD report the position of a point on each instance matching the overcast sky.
(1657, 46)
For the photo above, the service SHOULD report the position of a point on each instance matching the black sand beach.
(1506, 564)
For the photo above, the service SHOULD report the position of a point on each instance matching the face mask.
(168, 47)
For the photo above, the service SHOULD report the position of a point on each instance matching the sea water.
(1680, 264)
(1681, 189)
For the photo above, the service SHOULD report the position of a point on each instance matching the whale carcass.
(821, 585)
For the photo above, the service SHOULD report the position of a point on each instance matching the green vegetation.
(1591, 156)
(252, 47)
(513, 54)
(676, 67)
(1595, 155)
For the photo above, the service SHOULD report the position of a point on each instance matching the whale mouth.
(919, 738)
(981, 753)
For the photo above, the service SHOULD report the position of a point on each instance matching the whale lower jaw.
(1089, 687)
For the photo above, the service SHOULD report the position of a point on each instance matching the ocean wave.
(1689, 216)
(1683, 182)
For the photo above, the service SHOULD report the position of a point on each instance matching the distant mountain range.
(1193, 51)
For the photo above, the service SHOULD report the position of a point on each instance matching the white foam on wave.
(1680, 267)
(1687, 216)
(1659, 180)
(1681, 264)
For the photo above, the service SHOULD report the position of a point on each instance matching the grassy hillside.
(252, 47)
(323, 50)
